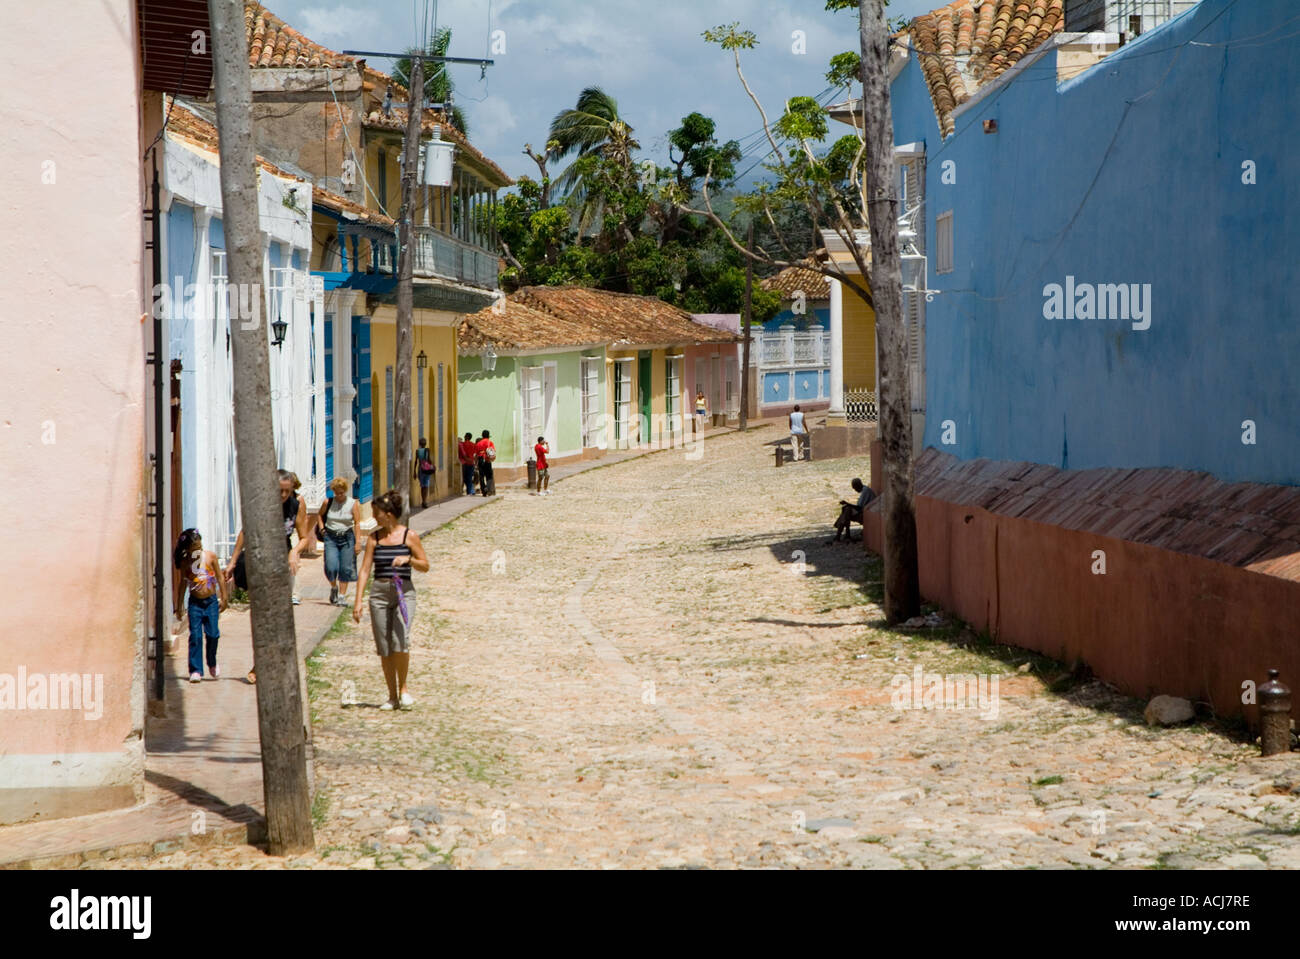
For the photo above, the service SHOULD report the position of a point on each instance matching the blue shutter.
(363, 451)
(329, 396)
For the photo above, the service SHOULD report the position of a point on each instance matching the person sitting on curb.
(852, 512)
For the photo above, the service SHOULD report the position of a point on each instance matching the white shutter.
(914, 314)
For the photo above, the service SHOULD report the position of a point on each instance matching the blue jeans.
(203, 619)
(341, 557)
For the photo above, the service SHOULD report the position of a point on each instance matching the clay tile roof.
(558, 316)
(273, 43)
(969, 43)
(1249, 525)
(814, 285)
(351, 209)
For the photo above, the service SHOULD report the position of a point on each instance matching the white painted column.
(835, 413)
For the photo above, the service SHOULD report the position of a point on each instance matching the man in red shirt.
(485, 452)
(543, 467)
(466, 451)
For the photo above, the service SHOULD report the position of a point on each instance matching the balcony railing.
(445, 257)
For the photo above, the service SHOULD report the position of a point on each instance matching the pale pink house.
(715, 368)
(77, 407)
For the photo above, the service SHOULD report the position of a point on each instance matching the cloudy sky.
(648, 54)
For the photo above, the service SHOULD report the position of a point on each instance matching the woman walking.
(197, 569)
(425, 470)
(340, 530)
(701, 411)
(392, 552)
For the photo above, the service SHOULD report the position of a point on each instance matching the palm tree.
(591, 126)
(438, 86)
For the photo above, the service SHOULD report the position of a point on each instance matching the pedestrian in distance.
(198, 571)
(852, 512)
(543, 466)
(391, 553)
(798, 432)
(485, 453)
(466, 451)
(425, 470)
(339, 526)
(701, 411)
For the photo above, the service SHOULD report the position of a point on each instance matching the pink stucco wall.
(72, 409)
(720, 321)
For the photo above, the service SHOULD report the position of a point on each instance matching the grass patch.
(1048, 781)
(320, 805)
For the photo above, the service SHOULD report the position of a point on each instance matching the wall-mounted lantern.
(278, 330)
(489, 358)
(422, 361)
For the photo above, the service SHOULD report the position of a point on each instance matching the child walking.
(197, 571)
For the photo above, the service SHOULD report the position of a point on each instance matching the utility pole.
(902, 580)
(749, 312)
(402, 457)
(275, 649)
(405, 293)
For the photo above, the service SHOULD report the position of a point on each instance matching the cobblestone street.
(663, 664)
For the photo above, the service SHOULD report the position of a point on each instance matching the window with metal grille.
(943, 243)
(531, 385)
(622, 400)
(590, 401)
(673, 395)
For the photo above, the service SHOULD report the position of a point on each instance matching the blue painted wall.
(1129, 173)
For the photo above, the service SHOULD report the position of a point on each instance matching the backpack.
(491, 454)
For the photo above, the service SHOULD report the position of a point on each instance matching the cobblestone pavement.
(662, 664)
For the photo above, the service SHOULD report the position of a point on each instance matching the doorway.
(645, 394)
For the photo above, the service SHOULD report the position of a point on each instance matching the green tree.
(592, 127)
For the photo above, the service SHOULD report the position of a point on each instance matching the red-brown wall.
(1156, 621)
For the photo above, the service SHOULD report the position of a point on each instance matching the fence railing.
(860, 406)
(438, 254)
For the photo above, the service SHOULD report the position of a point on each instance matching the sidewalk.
(203, 772)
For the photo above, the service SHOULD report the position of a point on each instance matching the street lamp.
(422, 361)
(278, 329)
(489, 358)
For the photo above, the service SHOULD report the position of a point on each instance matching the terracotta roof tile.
(537, 317)
(963, 46)
(814, 285)
(272, 43)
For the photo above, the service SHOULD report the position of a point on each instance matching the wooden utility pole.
(402, 457)
(902, 581)
(749, 312)
(275, 650)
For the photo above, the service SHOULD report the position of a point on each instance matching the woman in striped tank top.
(392, 552)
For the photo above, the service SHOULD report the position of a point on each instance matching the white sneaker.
(388, 706)
(407, 700)
(196, 677)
